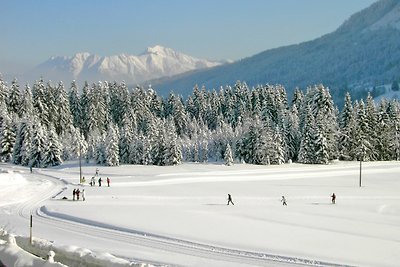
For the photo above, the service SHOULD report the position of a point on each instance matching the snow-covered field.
(178, 215)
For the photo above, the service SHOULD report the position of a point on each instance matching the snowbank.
(13, 255)
(10, 183)
(17, 251)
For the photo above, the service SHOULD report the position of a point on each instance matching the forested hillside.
(109, 124)
(364, 52)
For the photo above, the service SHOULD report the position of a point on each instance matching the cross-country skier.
(283, 200)
(73, 194)
(230, 199)
(333, 198)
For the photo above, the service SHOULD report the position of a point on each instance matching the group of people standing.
(76, 193)
(93, 181)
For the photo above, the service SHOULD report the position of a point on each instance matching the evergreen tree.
(75, 105)
(111, 146)
(179, 115)
(94, 142)
(204, 149)
(39, 102)
(100, 150)
(291, 134)
(50, 101)
(38, 145)
(14, 99)
(53, 150)
(278, 150)
(348, 130)
(362, 147)
(86, 111)
(173, 152)
(308, 137)
(7, 139)
(383, 145)
(22, 143)
(195, 152)
(372, 129)
(125, 144)
(64, 118)
(3, 91)
(228, 155)
(27, 103)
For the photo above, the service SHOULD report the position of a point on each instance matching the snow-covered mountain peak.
(158, 49)
(82, 55)
(156, 62)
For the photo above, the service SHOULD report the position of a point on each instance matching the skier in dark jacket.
(283, 200)
(73, 194)
(230, 199)
(77, 193)
(333, 198)
(100, 181)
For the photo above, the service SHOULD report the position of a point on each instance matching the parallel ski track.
(98, 231)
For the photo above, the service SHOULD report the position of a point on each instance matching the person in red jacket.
(108, 182)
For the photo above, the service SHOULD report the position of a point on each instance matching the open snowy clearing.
(178, 215)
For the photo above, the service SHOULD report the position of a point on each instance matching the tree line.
(111, 124)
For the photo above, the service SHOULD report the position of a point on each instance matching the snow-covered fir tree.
(228, 156)
(172, 152)
(14, 99)
(7, 138)
(38, 145)
(75, 104)
(53, 149)
(111, 146)
(258, 124)
(39, 102)
(64, 118)
(27, 102)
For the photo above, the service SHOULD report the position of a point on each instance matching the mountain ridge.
(154, 62)
(357, 54)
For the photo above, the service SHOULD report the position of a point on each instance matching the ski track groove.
(97, 230)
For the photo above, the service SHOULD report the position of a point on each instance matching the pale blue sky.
(32, 31)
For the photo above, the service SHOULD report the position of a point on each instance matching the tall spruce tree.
(52, 150)
(64, 119)
(38, 144)
(39, 102)
(228, 156)
(22, 143)
(27, 102)
(7, 139)
(111, 146)
(14, 99)
(75, 105)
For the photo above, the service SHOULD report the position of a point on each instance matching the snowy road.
(44, 190)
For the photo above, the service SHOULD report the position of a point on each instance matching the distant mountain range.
(154, 63)
(363, 51)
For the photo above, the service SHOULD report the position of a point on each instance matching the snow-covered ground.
(178, 215)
